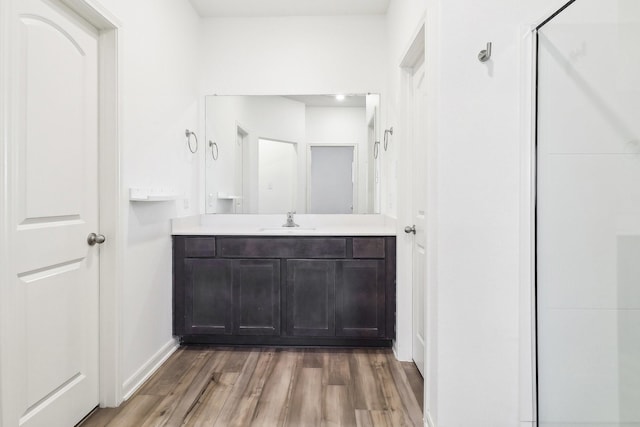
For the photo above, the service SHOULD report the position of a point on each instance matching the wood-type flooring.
(207, 386)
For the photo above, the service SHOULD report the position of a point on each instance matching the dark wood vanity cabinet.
(284, 290)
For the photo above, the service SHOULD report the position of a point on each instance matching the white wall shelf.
(153, 194)
(225, 196)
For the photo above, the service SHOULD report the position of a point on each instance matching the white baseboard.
(428, 422)
(133, 383)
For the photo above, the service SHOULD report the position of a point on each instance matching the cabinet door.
(207, 294)
(311, 297)
(256, 297)
(360, 298)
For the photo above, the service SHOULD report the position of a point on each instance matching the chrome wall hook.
(485, 54)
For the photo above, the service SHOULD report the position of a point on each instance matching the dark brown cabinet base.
(302, 291)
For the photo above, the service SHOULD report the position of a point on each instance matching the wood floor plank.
(363, 418)
(229, 410)
(337, 409)
(165, 380)
(101, 417)
(196, 389)
(313, 358)
(339, 373)
(395, 407)
(210, 405)
(415, 381)
(381, 419)
(245, 411)
(403, 388)
(136, 411)
(365, 389)
(306, 407)
(237, 362)
(273, 402)
(178, 398)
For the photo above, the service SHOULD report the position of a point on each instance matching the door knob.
(410, 229)
(94, 238)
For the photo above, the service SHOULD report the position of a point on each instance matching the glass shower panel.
(588, 216)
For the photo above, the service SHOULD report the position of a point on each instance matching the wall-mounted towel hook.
(188, 134)
(214, 150)
(387, 132)
(485, 54)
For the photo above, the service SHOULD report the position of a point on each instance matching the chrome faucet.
(290, 221)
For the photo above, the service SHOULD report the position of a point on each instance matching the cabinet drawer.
(282, 247)
(200, 247)
(368, 247)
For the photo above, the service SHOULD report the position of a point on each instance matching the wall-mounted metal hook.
(214, 149)
(485, 54)
(387, 132)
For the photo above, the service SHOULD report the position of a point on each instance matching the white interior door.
(277, 176)
(54, 193)
(331, 179)
(238, 190)
(419, 209)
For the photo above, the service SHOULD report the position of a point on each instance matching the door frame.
(423, 43)
(354, 172)
(110, 199)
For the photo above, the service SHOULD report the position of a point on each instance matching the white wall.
(158, 78)
(477, 109)
(293, 55)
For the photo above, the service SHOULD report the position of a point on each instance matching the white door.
(277, 176)
(54, 194)
(419, 209)
(372, 167)
(238, 184)
(331, 176)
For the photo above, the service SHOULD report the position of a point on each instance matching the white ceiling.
(218, 8)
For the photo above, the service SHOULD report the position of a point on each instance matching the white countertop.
(271, 225)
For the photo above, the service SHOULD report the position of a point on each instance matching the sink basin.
(286, 229)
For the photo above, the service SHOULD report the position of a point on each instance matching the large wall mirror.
(316, 154)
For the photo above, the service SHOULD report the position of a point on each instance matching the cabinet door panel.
(207, 296)
(256, 297)
(360, 298)
(311, 297)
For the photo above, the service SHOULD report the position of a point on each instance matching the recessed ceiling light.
(340, 97)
